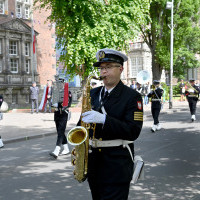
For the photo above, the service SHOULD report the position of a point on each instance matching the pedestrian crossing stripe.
(138, 116)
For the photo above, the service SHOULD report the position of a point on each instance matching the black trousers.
(105, 191)
(61, 123)
(155, 113)
(192, 106)
(34, 104)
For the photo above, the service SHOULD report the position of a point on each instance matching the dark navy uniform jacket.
(1, 100)
(192, 96)
(156, 94)
(123, 121)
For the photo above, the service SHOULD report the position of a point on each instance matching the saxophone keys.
(74, 162)
(73, 152)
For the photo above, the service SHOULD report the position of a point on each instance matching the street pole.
(170, 5)
(32, 40)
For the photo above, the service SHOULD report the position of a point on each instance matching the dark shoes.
(53, 155)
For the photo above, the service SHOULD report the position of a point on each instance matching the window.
(2, 5)
(14, 65)
(27, 98)
(135, 66)
(26, 1)
(27, 66)
(1, 64)
(13, 48)
(14, 99)
(19, 10)
(27, 12)
(27, 49)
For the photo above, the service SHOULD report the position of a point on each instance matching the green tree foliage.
(83, 27)
(186, 36)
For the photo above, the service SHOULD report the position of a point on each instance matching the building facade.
(27, 50)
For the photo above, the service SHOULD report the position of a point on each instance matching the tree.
(83, 27)
(186, 36)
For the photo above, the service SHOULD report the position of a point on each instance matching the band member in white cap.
(156, 95)
(118, 114)
(192, 95)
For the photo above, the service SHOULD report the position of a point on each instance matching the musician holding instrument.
(1, 101)
(117, 112)
(192, 95)
(64, 100)
(156, 104)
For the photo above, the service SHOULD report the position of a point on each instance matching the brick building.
(19, 65)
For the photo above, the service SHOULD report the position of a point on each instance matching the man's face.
(111, 73)
(34, 84)
(192, 83)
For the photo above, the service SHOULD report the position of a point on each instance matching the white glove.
(191, 90)
(55, 105)
(93, 117)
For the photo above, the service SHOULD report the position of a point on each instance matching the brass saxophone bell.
(77, 135)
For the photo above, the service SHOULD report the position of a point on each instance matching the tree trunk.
(156, 68)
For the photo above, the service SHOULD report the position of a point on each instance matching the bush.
(166, 91)
(176, 89)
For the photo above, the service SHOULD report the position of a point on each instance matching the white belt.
(192, 95)
(156, 100)
(111, 143)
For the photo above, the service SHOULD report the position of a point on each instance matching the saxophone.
(79, 137)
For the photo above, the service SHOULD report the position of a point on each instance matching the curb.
(25, 138)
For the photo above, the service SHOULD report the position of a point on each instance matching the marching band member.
(156, 103)
(60, 118)
(192, 95)
(118, 114)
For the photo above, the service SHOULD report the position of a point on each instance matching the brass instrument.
(189, 86)
(4, 107)
(152, 87)
(143, 77)
(79, 137)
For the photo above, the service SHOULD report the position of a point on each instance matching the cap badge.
(101, 54)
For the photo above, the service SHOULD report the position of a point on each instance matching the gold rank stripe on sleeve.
(138, 116)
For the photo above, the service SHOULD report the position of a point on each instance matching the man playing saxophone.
(192, 95)
(118, 114)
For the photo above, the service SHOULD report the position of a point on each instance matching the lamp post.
(32, 43)
(170, 5)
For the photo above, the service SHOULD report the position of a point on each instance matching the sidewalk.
(20, 125)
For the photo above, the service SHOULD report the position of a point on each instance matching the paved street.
(172, 164)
